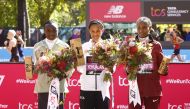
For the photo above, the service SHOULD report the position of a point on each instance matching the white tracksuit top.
(91, 82)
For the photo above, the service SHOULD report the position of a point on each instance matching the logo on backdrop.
(1, 79)
(158, 12)
(27, 106)
(3, 106)
(24, 81)
(179, 106)
(118, 9)
(115, 11)
(168, 11)
(122, 106)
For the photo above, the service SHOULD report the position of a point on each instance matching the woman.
(149, 80)
(11, 45)
(51, 42)
(176, 41)
(94, 93)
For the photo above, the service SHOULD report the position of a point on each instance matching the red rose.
(46, 66)
(61, 65)
(133, 50)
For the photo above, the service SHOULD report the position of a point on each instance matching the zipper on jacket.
(96, 80)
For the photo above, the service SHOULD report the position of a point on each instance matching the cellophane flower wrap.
(56, 64)
(105, 53)
(133, 54)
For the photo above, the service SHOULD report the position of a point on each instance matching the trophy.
(163, 69)
(28, 67)
(77, 46)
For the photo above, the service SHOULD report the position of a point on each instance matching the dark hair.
(51, 22)
(178, 33)
(94, 22)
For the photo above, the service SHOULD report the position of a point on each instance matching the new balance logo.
(115, 12)
(118, 9)
(1, 79)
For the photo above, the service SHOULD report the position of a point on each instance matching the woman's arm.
(180, 40)
(12, 43)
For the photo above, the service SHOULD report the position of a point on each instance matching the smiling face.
(143, 29)
(96, 31)
(144, 25)
(50, 31)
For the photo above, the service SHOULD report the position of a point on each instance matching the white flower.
(43, 59)
(132, 44)
(58, 53)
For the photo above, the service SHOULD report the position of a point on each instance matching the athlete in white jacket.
(94, 93)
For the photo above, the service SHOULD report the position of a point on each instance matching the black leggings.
(43, 100)
(93, 100)
(176, 51)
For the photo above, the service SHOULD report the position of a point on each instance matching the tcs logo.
(27, 106)
(118, 9)
(170, 106)
(73, 82)
(158, 12)
(73, 105)
(123, 81)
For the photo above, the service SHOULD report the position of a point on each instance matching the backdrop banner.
(16, 92)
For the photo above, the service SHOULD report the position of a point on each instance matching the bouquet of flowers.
(105, 53)
(56, 64)
(134, 54)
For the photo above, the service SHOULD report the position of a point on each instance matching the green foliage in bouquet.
(133, 55)
(57, 64)
(107, 77)
(105, 53)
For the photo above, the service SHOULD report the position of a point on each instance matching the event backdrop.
(167, 11)
(17, 93)
(114, 11)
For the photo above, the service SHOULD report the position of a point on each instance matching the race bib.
(93, 68)
(146, 68)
